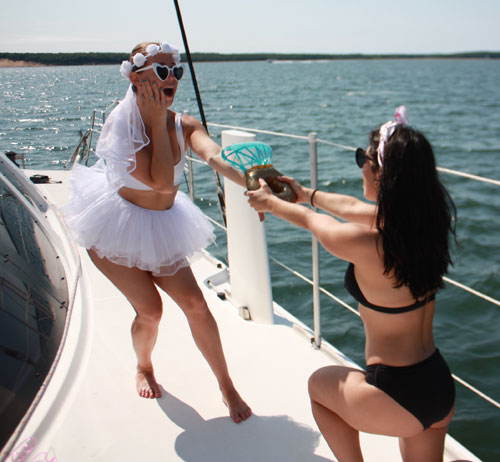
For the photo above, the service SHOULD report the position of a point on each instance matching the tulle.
(122, 136)
(158, 241)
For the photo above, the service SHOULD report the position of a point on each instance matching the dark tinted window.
(33, 301)
(17, 178)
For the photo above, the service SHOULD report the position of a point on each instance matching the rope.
(216, 223)
(468, 175)
(475, 390)
(256, 130)
(350, 148)
(472, 291)
(341, 146)
(329, 294)
(196, 160)
(190, 63)
(218, 183)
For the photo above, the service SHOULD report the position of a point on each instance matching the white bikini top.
(133, 183)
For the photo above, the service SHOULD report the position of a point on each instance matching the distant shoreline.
(78, 59)
(11, 63)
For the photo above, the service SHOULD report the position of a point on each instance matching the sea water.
(454, 102)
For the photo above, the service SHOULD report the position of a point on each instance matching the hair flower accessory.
(139, 60)
(167, 48)
(126, 68)
(386, 130)
(152, 49)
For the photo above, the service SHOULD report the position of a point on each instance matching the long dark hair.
(416, 214)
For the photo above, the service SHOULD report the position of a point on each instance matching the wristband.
(312, 196)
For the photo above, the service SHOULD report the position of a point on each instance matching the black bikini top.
(352, 287)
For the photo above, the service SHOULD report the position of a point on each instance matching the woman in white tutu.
(139, 229)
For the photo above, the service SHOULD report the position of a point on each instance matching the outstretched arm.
(348, 241)
(209, 150)
(345, 207)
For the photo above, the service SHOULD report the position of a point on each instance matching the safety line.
(472, 291)
(338, 300)
(350, 148)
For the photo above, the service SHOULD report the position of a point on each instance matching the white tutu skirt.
(158, 241)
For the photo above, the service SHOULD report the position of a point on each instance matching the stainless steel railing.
(84, 150)
(315, 282)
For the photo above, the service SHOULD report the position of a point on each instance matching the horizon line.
(354, 53)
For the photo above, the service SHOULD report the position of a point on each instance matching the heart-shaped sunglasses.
(163, 71)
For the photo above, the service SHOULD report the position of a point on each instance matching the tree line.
(74, 59)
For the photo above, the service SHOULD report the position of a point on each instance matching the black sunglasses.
(360, 156)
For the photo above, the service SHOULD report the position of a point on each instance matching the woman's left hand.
(261, 199)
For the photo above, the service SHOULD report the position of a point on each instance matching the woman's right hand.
(302, 193)
(152, 104)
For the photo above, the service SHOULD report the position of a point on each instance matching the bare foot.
(238, 409)
(147, 386)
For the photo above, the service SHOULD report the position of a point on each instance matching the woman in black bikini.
(398, 251)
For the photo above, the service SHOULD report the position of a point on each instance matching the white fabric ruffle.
(122, 136)
(157, 241)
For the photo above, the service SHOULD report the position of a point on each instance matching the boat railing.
(313, 142)
(85, 150)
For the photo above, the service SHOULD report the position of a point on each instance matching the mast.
(218, 185)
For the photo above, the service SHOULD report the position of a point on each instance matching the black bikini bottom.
(425, 389)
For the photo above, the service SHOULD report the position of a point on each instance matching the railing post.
(249, 273)
(313, 158)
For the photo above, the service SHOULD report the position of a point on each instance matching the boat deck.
(105, 419)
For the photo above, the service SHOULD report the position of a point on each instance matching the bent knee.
(312, 383)
(333, 380)
(318, 380)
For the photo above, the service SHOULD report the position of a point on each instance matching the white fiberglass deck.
(270, 364)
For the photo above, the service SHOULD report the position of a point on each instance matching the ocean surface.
(456, 103)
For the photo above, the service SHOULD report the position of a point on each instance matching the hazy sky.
(240, 26)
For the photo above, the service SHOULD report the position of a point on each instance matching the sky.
(247, 26)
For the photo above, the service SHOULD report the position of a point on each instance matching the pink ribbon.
(386, 130)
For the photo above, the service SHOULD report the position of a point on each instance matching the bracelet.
(312, 196)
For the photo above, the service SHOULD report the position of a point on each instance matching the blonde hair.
(141, 48)
(143, 51)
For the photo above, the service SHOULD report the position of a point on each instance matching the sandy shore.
(10, 63)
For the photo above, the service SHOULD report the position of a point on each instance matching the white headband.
(152, 50)
(386, 130)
